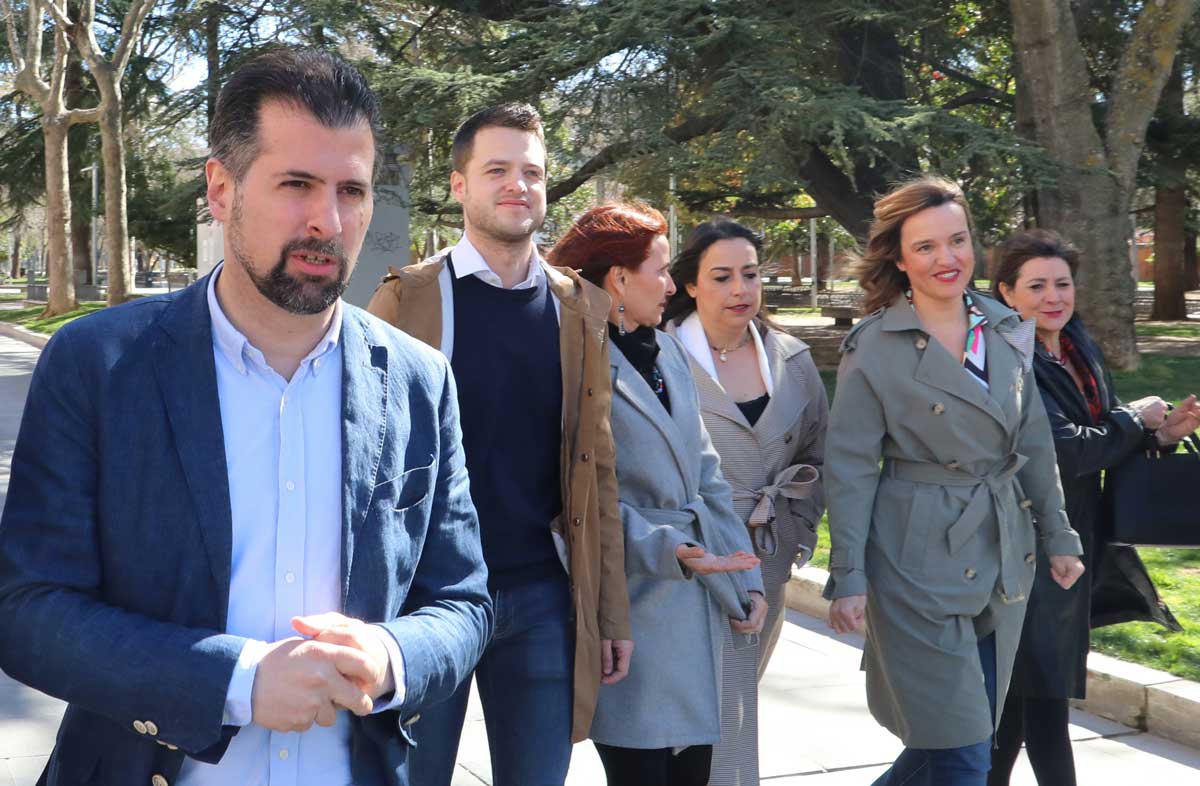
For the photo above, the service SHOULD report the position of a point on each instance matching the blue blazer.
(116, 536)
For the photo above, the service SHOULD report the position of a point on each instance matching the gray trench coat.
(941, 536)
(671, 492)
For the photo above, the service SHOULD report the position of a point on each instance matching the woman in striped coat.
(765, 408)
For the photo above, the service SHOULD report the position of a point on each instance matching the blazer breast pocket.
(408, 489)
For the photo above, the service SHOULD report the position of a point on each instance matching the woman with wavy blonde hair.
(940, 475)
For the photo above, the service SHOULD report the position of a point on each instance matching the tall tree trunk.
(1170, 206)
(1191, 272)
(80, 183)
(16, 251)
(116, 212)
(58, 217)
(1090, 200)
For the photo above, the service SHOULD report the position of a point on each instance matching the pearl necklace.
(724, 352)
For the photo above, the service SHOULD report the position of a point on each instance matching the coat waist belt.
(993, 491)
(798, 481)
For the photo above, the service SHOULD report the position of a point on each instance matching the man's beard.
(302, 294)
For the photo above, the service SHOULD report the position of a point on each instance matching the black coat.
(1052, 658)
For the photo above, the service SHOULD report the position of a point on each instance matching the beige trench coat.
(590, 525)
(941, 537)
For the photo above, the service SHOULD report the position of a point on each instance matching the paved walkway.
(815, 729)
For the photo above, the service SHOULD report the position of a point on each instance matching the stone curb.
(1128, 693)
(21, 334)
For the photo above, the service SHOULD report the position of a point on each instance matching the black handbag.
(1152, 497)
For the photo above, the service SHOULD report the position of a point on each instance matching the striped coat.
(791, 431)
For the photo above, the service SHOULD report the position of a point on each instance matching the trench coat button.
(787, 439)
(1026, 504)
(158, 780)
(969, 574)
(589, 391)
(1030, 559)
(921, 343)
(953, 466)
(577, 521)
(151, 728)
(938, 408)
(139, 727)
(585, 457)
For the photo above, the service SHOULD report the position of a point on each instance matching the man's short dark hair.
(522, 117)
(325, 86)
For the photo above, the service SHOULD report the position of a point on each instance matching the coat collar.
(628, 383)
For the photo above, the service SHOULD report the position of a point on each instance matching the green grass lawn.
(30, 318)
(1176, 572)
(1173, 329)
(11, 297)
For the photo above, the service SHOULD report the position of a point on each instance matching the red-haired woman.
(688, 556)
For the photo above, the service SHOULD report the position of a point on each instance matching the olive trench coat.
(671, 493)
(588, 533)
(941, 536)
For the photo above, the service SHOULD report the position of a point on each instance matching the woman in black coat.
(1093, 431)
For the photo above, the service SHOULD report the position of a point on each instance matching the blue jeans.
(965, 766)
(526, 685)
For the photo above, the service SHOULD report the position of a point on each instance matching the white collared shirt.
(283, 456)
(469, 262)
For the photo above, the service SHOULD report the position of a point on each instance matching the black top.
(509, 376)
(754, 408)
(640, 348)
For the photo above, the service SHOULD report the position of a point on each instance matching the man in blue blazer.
(238, 539)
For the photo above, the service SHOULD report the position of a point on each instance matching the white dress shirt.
(283, 454)
(469, 262)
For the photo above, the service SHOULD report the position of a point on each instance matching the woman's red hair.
(612, 235)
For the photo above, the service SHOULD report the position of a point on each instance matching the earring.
(621, 318)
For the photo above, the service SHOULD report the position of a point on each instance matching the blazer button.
(589, 391)
(787, 439)
(151, 729)
(969, 574)
(1030, 559)
(1026, 504)
(139, 727)
(413, 719)
(921, 343)
(953, 466)
(577, 521)
(938, 408)
(585, 457)
(158, 780)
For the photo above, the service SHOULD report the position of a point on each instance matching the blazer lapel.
(628, 383)
(785, 404)
(187, 376)
(365, 401)
(939, 369)
(713, 398)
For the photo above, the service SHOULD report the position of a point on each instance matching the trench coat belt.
(786, 484)
(990, 491)
(727, 589)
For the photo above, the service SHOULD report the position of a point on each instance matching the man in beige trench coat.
(940, 537)
(527, 345)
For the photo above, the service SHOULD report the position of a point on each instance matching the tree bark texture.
(1090, 200)
(15, 272)
(58, 217)
(1170, 208)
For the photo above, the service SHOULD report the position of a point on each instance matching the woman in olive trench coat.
(940, 537)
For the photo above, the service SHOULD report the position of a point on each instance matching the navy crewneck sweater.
(509, 375)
